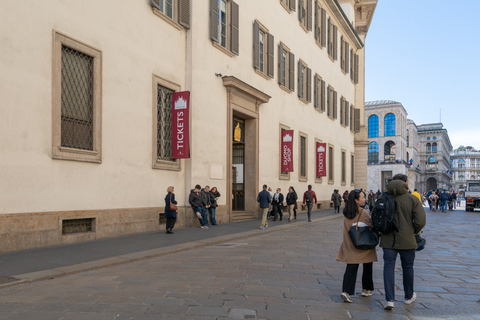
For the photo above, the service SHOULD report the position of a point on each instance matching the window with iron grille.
(164, 123)
(78, 225)
(77, 100)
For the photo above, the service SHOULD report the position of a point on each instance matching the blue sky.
(425, 54)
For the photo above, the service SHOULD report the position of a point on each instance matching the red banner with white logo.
(287, 151)
(180, 125)
(321, 159)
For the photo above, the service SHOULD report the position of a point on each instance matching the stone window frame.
(180, 13)
(300, 177)
(64, 153)
(268, 51)
(288, 5)
(157, 163)
(232, 46)
(282, 175)
(304, 82)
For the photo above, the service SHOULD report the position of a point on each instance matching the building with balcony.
(434, 148)
(465, 165)
(87, 89)
(391, 148)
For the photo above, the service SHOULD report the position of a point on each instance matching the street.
(288, 273)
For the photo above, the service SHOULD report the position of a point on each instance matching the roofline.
(342, 17)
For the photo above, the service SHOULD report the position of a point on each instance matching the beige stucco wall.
(124, 193)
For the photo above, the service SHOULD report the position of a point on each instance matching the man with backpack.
(409, 217)
(308, 198)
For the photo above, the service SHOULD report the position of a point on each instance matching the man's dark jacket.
(264, 198)
(194, 199)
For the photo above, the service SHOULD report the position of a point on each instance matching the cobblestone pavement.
(288, 273)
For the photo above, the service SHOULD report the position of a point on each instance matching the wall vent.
(78, 225)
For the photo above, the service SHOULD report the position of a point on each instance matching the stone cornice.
(364, 10)
(344, 22)
(233, 82)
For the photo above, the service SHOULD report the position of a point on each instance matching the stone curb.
(147, 254)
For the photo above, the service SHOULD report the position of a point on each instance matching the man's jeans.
(212, 212)
(407, 257)
(443, 205)
(309, 212)
(204, 213)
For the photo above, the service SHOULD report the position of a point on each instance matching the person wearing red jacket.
(308, 198)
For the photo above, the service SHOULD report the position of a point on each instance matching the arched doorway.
(431, 184)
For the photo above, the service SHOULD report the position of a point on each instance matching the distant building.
(465, 165)
(434, 148)
(392, 144)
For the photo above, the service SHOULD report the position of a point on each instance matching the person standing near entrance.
(277, 203)
(337, 200)
(170, 215)
(195, 200)
(291, 201)
(214, 195)
(308, 197)
(410, 219)
(264, 199)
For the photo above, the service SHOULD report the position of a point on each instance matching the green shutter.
(270, 54)
(292, 5)
(309, 15)
(309, 85)
(256, 45)
(335, 102)
(335, 42)
(281, 70)
(234, 39)
(357, 120)
(184, 13)
(324, 28)
(291, 71)
(322, 96)
(300, 83)
(214, 20)
(347, 50)
(315, 92)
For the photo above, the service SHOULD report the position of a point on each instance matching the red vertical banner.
(287, 150)
(321, 159)
(180, 125)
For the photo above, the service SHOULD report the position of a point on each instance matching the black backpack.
(383, 214)
(308, 197)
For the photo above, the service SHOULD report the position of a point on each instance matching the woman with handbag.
(170, 209)
(354, 213)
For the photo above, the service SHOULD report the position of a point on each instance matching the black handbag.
(421, 242)
(363, 238)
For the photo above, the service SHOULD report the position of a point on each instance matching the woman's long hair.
(351, 208)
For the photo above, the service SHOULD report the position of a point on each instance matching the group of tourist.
(409, 219)
(446, 200)
(203, 202)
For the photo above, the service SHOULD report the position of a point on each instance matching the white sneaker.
(366, 293)
(346, 297)
(413, 298)
(199, 215)
(389, 305)
(266, 227)
(262, 228)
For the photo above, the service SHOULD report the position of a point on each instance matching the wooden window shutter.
(335, 42)
(335, 101)
(347, 50)
(291, 71)
(156, 4)
(309, 85)
(292, 5)
(357, 120)
(256, 45)
(351, 65)
(281, 69)
(214, 20)
(324, 28)
(270, 53)
(317, 22)
(342, 57)
(356, 68)
(300, 79)
(351, 117)
(315, 92)
(342, 100)
(329, 102)
(322, 96)
(309, 15)
(184, 13)
(234, 39)
(347, 114)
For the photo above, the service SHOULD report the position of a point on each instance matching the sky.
(425, 55)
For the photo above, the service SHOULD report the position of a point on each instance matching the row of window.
(389, 126)
(303, 163)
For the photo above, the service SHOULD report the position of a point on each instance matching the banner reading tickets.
(180, 125)
(321, 160)
(287, 150)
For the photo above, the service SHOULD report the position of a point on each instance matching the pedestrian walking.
(409, 219)
(345, 197)
(264, 200)
(270, 207)
(352, 256)
(337, 200)
(443, 198)
(454, 200)
(433, 202)
(371, 200)
(308, 198)
(170, 215)
(291, 201)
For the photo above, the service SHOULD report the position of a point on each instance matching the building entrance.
(238, 165)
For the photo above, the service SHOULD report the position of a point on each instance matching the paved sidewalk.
(46, 263)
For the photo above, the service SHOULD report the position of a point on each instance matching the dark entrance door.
(238, 165)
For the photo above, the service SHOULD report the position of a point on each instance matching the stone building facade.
(465, 165)
(86, 109)
(434, 149)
